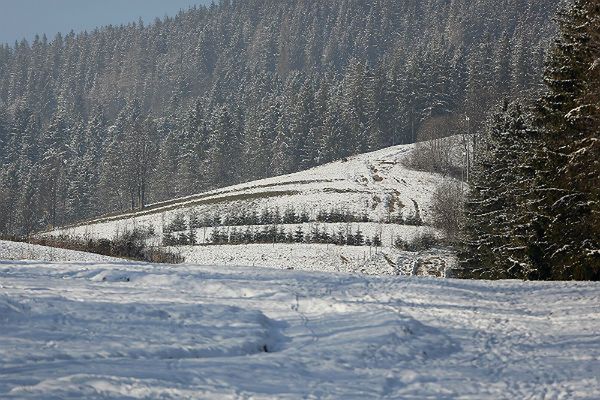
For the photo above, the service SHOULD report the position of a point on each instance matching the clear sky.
(24, 18)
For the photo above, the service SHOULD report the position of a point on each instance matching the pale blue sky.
(24, 18)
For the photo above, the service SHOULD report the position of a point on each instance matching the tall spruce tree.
(496, 207)
(568, 115)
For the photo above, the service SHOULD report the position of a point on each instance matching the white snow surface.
(25, 251)
(141, 331)
(324, 258)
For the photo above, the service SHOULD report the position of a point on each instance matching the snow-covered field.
(324, 258)
(26, 251)
(125, 330)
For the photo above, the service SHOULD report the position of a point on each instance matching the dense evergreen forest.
(117, 118)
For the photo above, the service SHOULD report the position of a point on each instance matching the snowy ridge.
(118, 330)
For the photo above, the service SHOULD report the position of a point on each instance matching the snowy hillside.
(139, 331)
(374, 183)
(374, 195)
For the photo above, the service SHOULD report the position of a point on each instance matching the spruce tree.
(568, 116)
(534, 207)
(494, 244)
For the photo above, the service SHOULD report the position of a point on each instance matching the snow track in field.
(141, 331)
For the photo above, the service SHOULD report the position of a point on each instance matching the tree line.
(274, 216)
(272, 234)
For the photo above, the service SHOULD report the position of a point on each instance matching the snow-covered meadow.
(141, 331)
(323, 258)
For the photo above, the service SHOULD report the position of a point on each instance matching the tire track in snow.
(305, 322)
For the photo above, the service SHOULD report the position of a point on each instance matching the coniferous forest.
(123, 116)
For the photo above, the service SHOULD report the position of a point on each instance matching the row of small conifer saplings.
(274, 217)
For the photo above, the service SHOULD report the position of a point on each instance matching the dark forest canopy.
(122, 116)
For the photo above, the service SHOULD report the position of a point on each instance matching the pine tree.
(376, 240)
(539, 217)
(221, 168)
(3, 135)
(359, 238)
(299, 235)
(28, 204)
(54, 163)
(334, 143)
(283, 150)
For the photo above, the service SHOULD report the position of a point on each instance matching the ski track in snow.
(140, 331)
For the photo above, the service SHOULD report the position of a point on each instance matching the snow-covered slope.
(139, 331)
(374, 183)
(376, 186)
(26, 251)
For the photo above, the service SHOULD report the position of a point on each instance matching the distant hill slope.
(374, 195)
(375, 185)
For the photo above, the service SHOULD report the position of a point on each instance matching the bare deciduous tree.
(436, 145)
(447, 208)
